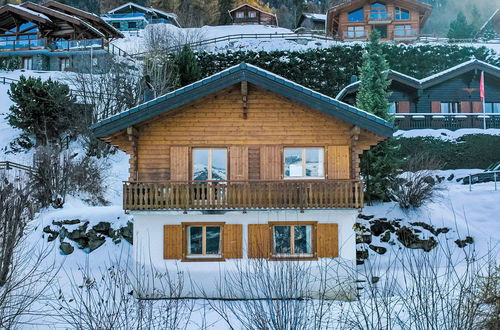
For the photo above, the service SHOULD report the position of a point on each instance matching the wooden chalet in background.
(241, 165)
(398, 20)
(449, 99)
(312, 22)
(492, 23)
(246, 14)
(53, 36)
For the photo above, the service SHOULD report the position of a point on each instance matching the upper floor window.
(240, 14)
(209, 164)
(132, 25)
(252, 14)
(63, 63)
(293, 239)
(116, 25)
(492, 107)
(304, 163)
(393, 107)
(401, 14)
(355, 16)
(378, 11)
(204, 240)
(450, 107)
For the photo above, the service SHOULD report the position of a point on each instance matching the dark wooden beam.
(244, 97)
(133, 137)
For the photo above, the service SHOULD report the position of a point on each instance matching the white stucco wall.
(206, 279)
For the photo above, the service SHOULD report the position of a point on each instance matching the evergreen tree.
(373, 89)
(224, 7)
(44, 110)
(187, 66)
(460, 28)
(379, 165)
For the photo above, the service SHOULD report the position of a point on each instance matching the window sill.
(296, 178)
(203, 258)
(289, 257)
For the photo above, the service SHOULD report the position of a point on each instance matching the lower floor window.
(293, 240)
(450, 107)
(204, 240)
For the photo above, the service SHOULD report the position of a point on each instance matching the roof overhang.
(235, 75)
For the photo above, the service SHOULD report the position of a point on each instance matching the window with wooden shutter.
(179, 163)
(328, 240)
(258, 241)
(233, 236)
(238, 163)
(339, 162)
(172, 242)
(293, 240)
(436, 107)
(270, 163)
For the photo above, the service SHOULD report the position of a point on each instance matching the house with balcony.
(397, 20)
(449, 99)
(241, 166)
(53, 36)
(133, 17)
(247, 14)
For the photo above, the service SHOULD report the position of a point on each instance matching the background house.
(399, 20)
(491, 28)
(206, 195)
(449, 99)
(53, 36)
(312, 22)
(246, 14)
(132, 17)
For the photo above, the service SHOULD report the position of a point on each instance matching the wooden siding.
(272, 123)
(339, 164)
(259, 241)
(233, 241)
(404, 107)
(179, 168)
(328, 240)
(238, 163)
(172, 242)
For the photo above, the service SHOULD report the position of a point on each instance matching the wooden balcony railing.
(243, 195)
(451, 121)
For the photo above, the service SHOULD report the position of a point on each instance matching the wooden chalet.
(312, 22)
(220, 166)
(246, 14)
(398, 20)
(46, 37)
(449, 99)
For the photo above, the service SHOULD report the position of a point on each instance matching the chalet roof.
(94, 20)
(146, 10)
(433, 80)
(256, 8)
(494, 17)
(11, 15)
(314, 17)
(234, 75)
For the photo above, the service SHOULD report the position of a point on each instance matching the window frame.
(186, 257)
(304, 163)
(240, 14)
(293, 256)
(134, 23)
(353, 31)
(209, 163)
(451, 106)
(252, 12)
(356, 11)
(398, 11)
(27, 59)
(379, 13)
(490, 107)
(64, 63)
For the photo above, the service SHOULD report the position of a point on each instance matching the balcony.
(61, 45)
(451, 121)
(243, 195)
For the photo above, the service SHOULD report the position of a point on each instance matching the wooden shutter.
(339, 162)
(436, 106)
(465, 107)
(328, 240)
(270, 163)
(404, 107)
(232, 240)
(477, 107)
(179, 163)
(238, 163)
(254, 163)
(258, 241)
(172, 242)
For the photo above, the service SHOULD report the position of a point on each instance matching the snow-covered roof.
(29, 11)
(431, 80)
(146, 9)
(489, 20)
(258, 9)
(316, 17)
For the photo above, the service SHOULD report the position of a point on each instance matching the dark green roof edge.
(231, 76)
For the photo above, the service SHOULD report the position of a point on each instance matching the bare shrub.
(416, 186)
(161, 37)
(58, 174)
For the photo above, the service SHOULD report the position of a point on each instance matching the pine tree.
(187, 66)
(460, 28)
(224, 7)
(379, 165)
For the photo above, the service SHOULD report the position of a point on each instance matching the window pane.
(282, 239)
(392, 107)
(293, 162)
(355, 16)
(496, 107)
(213, 240)
(195, 240)
(219, 164)
(445, 107)
(314, 162)
(303, 239)
(200, 164)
